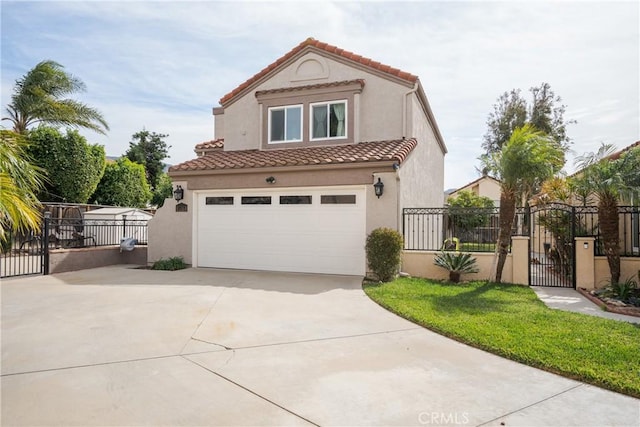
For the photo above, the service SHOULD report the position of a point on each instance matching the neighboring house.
(287, 183)
(484, 186)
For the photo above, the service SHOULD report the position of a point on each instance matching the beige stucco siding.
(170, 231)
(422, 174)
(379, 111)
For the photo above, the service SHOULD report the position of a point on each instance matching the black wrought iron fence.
(587, 224)
(476, 229)
(21, 254)
(464, 229)
(78, 232)
(28, 253)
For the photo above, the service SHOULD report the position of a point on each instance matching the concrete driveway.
(120, 346)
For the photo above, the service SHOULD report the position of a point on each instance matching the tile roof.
(617, 154)
(311, 42)
(210, 145)
(613, 156)
(396, 150)
(314, 86)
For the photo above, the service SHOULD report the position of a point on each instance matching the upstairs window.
(329, 120)
(285, 124)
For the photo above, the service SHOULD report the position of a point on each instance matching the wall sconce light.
(271, 180)
(585, 245)
(378, 187)
(178, 193)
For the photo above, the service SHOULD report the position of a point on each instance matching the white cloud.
(163, 65)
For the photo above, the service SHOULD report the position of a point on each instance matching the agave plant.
(457, 264)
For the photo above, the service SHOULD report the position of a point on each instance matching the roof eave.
(303, 50)
(382, 164)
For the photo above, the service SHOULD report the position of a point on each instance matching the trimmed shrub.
(171, 264)
(384, 247)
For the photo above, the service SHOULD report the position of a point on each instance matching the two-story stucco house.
(287, 183)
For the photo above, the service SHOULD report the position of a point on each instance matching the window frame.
(219, 200)
(328, 104)
(256, 200)
(285, 108)
(338, 199)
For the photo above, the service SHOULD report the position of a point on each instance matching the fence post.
(520, 260)
(124, 226)
(45, 243)
(585, 262)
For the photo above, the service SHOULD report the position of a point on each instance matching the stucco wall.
(380, 104)
(383, 211)
(61, 260)
(515, 270)
(491, 189)
(170, 232)
(422, 174)
(420, 264)
(629, 267)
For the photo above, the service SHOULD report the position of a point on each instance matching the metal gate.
(25, 254)
(552, 259)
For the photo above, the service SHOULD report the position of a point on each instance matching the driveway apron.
(125, 346)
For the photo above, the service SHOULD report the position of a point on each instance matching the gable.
(314, 67)
(277, 107)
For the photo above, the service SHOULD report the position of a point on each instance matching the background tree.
(150, 150)
(73, 166)
(19, 183)
(610, 180)
(123, 184)
(163, 190)
(509, 113)
(545, 112)
(527, 159)
(39, 97)
(468, 211)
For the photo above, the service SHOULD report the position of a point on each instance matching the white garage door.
(298, 229)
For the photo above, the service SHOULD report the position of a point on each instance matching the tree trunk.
(507, 214)
(609, 230)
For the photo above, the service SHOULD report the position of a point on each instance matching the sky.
(163, 65)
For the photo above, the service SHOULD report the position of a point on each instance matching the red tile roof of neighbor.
(617, 154)
(363, 152)
(311, 42)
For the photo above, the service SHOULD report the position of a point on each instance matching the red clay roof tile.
(619, 153)
(210, 145)
(396, 150)
(314, 86)
(327, 48)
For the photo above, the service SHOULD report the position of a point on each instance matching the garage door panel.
(322, 238)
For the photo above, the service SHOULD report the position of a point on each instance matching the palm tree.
(19, 182)
(39, 98)
(609, 179)
(527, 159)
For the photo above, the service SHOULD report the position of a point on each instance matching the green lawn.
(510, 321)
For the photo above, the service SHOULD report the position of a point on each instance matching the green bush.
(5, 244)
(174, 263)
(384, 247)
(627, 291)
